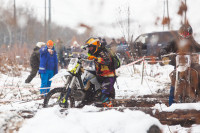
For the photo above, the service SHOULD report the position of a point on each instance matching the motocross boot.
(106, 102)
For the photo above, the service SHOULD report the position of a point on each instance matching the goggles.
(185, 35)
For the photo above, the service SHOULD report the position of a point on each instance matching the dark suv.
(149, 44)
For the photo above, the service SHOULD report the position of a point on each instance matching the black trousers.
(31, 75)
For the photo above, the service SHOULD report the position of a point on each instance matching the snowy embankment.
(15, 103)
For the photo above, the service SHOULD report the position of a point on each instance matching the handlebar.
(79, 58)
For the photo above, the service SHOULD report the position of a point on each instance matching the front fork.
(69, 89)
(70, 86)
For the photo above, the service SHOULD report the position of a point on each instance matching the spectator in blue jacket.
(48, 66)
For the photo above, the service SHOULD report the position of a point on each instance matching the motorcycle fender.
(60, 74)
(92, 78)
(96, 83)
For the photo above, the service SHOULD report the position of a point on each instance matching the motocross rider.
(184, 43)
(105, 75)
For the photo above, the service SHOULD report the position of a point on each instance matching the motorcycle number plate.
(72, 63)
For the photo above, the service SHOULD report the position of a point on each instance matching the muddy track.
(142, 103)
(145, 103)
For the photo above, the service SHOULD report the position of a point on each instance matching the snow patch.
(177, 106)
(81, 121)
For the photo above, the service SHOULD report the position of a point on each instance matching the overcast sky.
(104, 15)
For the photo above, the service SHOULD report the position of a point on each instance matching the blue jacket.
(48, 61)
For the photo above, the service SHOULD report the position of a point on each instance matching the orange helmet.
(50, 43)
(93, 42)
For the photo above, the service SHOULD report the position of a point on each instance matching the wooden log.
(183, 117)
(136, 102)
(153, 96)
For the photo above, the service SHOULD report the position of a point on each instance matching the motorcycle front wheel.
(56, 97)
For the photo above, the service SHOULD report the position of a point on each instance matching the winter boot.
(171, 96)
(27, 81)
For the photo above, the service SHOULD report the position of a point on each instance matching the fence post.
(142, 71)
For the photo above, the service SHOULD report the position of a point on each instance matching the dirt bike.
(184, 77)
(81, 86)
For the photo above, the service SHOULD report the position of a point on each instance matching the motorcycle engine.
(78, 95)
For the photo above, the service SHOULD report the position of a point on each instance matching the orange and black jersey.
(103, 63)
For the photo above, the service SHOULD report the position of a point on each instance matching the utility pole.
(185, 13)
(168, 15)
(166, 19)
(49, 23)
(163, 14)
(45, 23)
(128, 24)
(13, 36)
(14, 8)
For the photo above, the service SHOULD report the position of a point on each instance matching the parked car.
(150, 44)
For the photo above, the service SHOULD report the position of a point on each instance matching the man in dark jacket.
(48, 66)
(113, 46)
(34, 61)
(60, 49)
(185, 43)
(105, 75)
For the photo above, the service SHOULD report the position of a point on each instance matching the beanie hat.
(50, 43)
(40, 44)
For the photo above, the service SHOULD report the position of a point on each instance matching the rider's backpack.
(115, 60)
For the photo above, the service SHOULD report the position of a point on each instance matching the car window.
(142, 39)
(166, 37)
(154, 39)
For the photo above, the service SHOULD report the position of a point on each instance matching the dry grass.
(14, 59)
(165, 21)
(182, 8)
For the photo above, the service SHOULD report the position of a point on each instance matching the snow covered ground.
(107, 18)
(18, 100)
